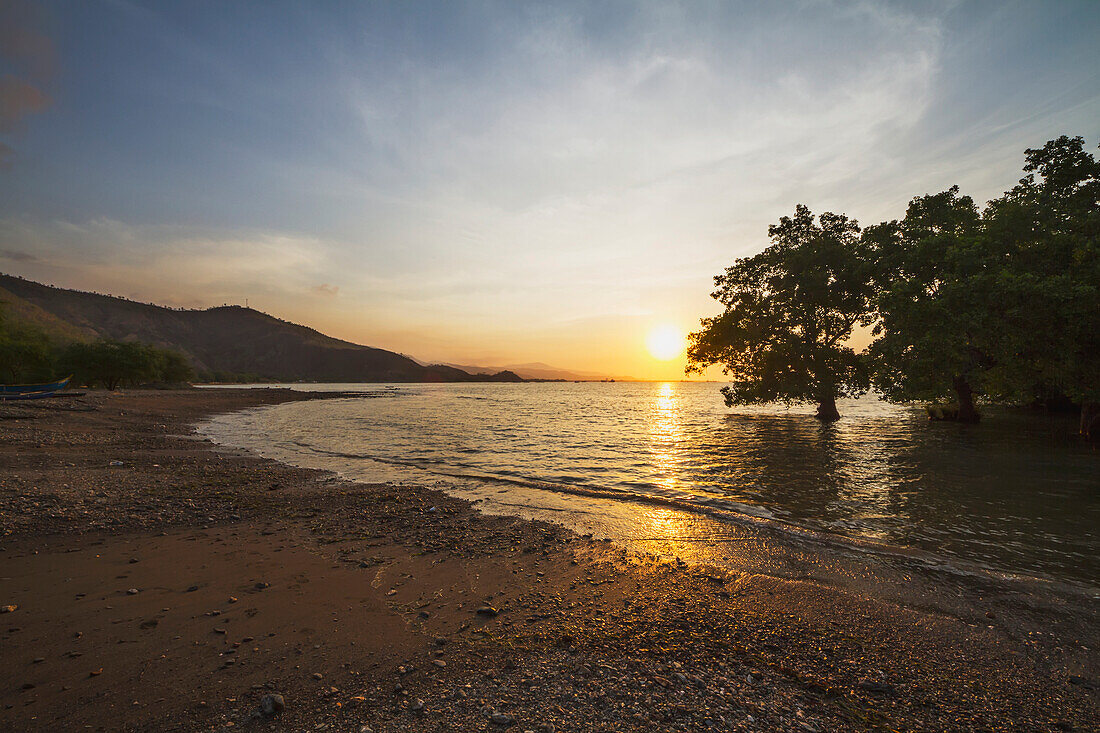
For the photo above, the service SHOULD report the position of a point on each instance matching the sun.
(665, 343)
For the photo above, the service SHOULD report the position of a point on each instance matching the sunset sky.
(506, 182)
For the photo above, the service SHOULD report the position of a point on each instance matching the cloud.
(16, 256)
(30, 59)
(21, 44)
(565, 113)
(164, 263)
(492, 169)
(18, 99)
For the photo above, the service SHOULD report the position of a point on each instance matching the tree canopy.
(788, 314)
(112, 363)
(935, 324)
(1049, 224)
(29, 354)
(996, 304)
(26, 354)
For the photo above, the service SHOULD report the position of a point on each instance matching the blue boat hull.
(32, 391)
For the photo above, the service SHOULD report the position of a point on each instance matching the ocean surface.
(670, 465)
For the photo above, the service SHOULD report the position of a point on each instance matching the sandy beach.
(151, 581)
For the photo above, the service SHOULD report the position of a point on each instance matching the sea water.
(669, 467)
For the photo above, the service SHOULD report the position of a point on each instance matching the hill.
(228, 339)
(539, 370)
(20, 310)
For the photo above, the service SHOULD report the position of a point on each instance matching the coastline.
(372, 587)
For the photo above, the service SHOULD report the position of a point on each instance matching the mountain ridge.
(225, 339)
(541, 370)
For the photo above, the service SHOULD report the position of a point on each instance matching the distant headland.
(227, 343)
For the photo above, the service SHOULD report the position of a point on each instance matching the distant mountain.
(229, 339)
(539, 370)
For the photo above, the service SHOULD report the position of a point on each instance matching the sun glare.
(665, 342)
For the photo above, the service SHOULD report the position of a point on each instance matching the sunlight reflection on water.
(1017, 492)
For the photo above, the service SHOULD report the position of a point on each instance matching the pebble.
(272, 704)
(580, 677)
(877, 687)
(318, 676)
(132, 592)
(501, 719)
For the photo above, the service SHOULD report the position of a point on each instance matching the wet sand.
(160, 584)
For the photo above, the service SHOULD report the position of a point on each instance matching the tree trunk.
(1090, 420)
(826, 409)
(967, 411)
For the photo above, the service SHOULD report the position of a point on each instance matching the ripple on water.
(1017, 493)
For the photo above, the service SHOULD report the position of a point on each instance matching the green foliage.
(1001, 304)
(936, 273)
(110, 363)
(788, 314)
(1050, 286)
(1005, 304)
(173, 367)
(26, 353)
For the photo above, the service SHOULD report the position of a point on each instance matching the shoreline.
(871, 493)
(377, 590)
(727, 512)
(738, 541)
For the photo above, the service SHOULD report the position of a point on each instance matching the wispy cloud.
(16, 256)
(467, 175)
(165, 263)
(27, 63)
(22, 43)
(17, 100)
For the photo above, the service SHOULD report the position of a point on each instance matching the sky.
(500, 182)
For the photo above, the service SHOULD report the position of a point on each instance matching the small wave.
(725, 511)
(602, 463)
(686, 502)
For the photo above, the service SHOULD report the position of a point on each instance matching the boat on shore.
(33, 391)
